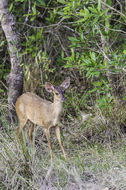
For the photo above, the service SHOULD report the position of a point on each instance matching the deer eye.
(57, 93)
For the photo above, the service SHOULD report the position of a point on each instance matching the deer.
(42, 112)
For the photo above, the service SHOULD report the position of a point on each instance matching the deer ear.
(65, 83)
(49, 87)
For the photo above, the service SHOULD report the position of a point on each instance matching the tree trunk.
(15, 78)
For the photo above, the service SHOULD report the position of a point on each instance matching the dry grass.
(89, 166)
(96, 158)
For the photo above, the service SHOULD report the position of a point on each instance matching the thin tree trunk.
(15, 78)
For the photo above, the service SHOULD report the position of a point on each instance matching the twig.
(4, 85)
(113, 9)
(47, 177)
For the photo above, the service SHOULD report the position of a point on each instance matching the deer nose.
(63, 99)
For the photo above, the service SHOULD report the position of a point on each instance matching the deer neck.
(56, 111)
(57, 107)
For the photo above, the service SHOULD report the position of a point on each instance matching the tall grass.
(95, 157)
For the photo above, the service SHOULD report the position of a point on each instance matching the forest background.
(86, 40)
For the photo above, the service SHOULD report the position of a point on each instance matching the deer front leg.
(59, 139)
(22, 122)
(29, 133)
(48, 139)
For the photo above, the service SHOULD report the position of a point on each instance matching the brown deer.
(44, 113)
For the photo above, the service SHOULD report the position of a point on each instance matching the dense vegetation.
(86, 40)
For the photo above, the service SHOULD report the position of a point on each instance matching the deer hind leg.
(59, 139)
(22, 122)
(48, 139)
(30, 131)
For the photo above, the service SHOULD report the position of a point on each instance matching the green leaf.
(2, 43)
(93, 90)
(109, 2)
(98, 83)
(82, 20)
(104, 12)
(99, 5)
(92, 55)
(40, 2)
(62, 54)
(81, 34)
(97, 74)
(86, 11)
(11, 7)
(124, 97)
(1, 91)
(124, 51)
(61, 1)
(19, 1)
(34, 9)
(73, 39)
(93, 10)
